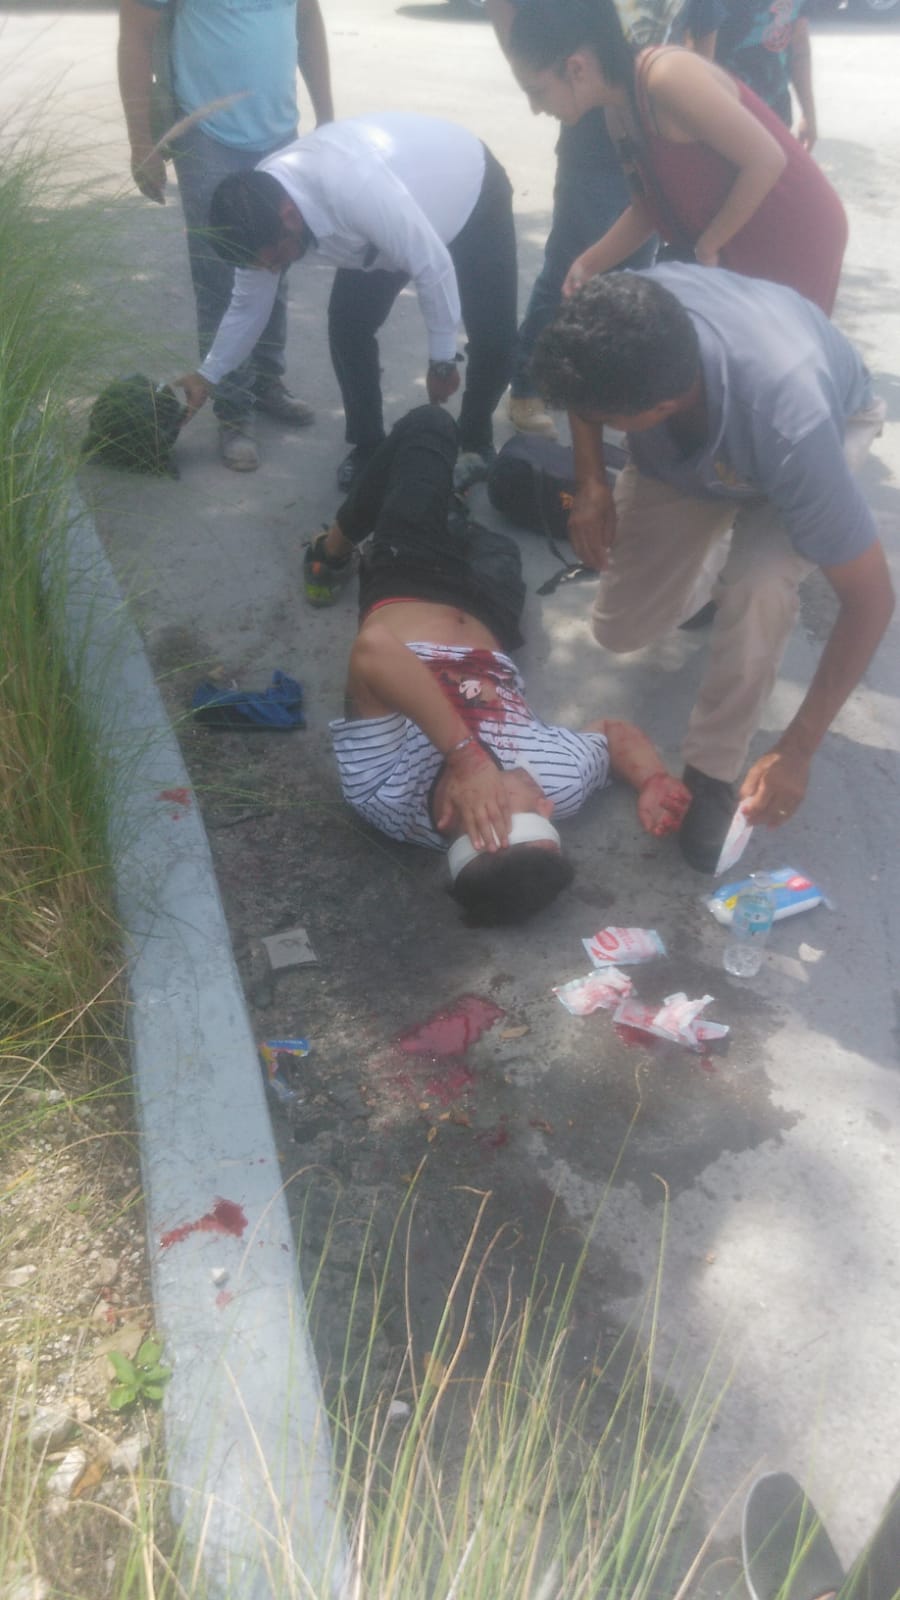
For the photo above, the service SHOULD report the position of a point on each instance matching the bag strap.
(567, 572)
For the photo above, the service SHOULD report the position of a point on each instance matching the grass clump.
(466, 1468)
(518, 1472)
(57, 937)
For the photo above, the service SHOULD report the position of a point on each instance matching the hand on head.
(476, 797)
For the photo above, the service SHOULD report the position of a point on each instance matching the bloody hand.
(662, 804)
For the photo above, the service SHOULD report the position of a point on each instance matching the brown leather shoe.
(276, 401)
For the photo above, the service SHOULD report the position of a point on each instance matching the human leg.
(359, 304)
(484, 255)
(664, 540)
(404, 493)
(757, 600)
(424, 546)
(589, 194)
(200, 164)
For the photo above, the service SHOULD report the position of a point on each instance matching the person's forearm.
(252, 299)
(386, 674)
(438, 296)
(632, 229)
(632, 756)
(313, 59)
(850, 647)
(135, 62)
(587, 451)
(745, 196)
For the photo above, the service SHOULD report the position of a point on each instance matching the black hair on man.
(622, 344)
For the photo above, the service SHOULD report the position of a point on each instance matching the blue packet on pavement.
(791, 891)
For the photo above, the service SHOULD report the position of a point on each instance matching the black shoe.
(707, 819)
(353, 464)
(700, 619)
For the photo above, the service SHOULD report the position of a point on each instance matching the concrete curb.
(248, 1444)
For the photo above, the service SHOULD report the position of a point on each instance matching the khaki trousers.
(671, 555)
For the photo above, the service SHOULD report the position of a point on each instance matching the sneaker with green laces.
(323, 579)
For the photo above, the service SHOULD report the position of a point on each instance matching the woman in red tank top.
(713, 169)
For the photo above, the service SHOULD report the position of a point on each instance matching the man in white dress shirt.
(388, 199)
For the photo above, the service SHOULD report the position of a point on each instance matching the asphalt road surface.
(781, 1162)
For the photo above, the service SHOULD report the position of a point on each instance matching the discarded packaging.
(278, 1054)
(735, 842)
(599, 991)
(790, 890)
(676, 1020)
(626, 946)
(289, 949)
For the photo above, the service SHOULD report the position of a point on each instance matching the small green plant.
(140, 1379)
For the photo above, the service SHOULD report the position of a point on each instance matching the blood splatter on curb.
(176, 797)
(225, 1217)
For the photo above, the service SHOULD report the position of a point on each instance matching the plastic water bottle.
(751, 922)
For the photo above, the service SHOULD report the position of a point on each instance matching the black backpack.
(532, 482)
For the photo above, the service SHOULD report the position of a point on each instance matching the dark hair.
(622, 344)
(245, 216)
(504, 889)
(545, 33)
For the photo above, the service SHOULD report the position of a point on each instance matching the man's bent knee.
(431, 418)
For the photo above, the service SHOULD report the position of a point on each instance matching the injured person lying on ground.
(438, 745)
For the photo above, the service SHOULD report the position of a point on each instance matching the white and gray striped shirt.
(388, 766)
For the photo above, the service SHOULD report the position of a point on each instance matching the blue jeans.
(201, 163)
(589, 195)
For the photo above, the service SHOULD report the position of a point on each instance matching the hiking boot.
(707, 819)
(276, 401)
(472, 466)
(237, 447)
(352, 465)
(527, 415)
(323, 578)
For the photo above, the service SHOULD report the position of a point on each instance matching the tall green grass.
(506, 1477)
(57, 937)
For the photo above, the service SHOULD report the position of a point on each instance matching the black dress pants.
(484, 256)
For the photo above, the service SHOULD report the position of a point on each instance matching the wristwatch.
(442, 369)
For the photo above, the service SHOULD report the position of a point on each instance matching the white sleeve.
(378, 206)
(252, 299)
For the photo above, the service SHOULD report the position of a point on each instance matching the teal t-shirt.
(246, 47)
